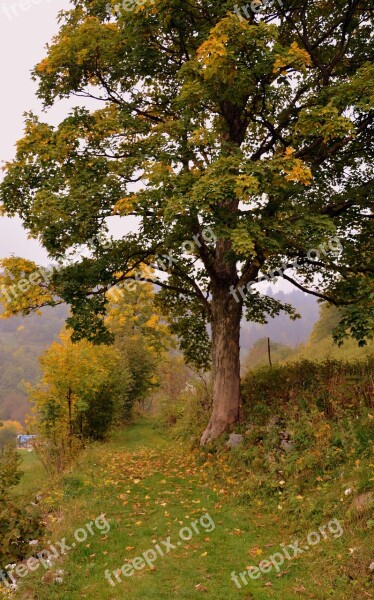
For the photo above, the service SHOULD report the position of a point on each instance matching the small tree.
(141, 336)
(73, 377)
(8, 433)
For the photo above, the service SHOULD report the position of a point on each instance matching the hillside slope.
(22, 341)
(319, 346)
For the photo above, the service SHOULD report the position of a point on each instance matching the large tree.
(246, 130)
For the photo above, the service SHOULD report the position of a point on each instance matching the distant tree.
(320, 345)
(250, 140)
(8, 432)
(14, 427)
(141, 336)
(328, 321)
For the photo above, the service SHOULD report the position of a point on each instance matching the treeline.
(318, 347)
(282, 329)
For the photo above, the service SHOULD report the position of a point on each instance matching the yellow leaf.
(289, 151)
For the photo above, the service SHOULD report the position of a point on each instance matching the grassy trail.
(149, 488)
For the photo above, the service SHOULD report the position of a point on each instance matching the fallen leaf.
(201, 588)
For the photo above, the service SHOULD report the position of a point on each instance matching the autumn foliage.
(86, 389)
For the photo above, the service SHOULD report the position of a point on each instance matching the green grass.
(149, 487)
(33, 475)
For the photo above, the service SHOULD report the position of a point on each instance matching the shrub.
(186, 414)
(18, 523)
(305, 423)
(332, 386)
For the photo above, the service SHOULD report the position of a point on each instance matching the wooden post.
(269, 353)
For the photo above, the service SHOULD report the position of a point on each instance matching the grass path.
(149, 488)
(33, 475)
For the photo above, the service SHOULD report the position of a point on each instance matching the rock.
(285, 434)
(275, 420)
(286, 445)
(363, 503)
(234, 440)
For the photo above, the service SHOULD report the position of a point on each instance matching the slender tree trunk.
(69, 398)
(269, 353)
(226, 317)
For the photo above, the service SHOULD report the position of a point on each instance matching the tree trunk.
(69, 398)
(226, 318)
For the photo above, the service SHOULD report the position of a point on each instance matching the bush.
(18, 524)
(8, 433)
(331, 387)
(306, 423)
(186, 412)
(303, 423)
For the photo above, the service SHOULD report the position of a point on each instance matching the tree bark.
(226, 318)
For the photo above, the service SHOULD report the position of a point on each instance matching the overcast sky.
(25, 27)
(23, 36)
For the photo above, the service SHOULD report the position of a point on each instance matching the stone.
(275, 420)
(285, 434)
(234, 440)
(363, 503)
(286, 445)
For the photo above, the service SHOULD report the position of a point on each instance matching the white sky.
(25, 27)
